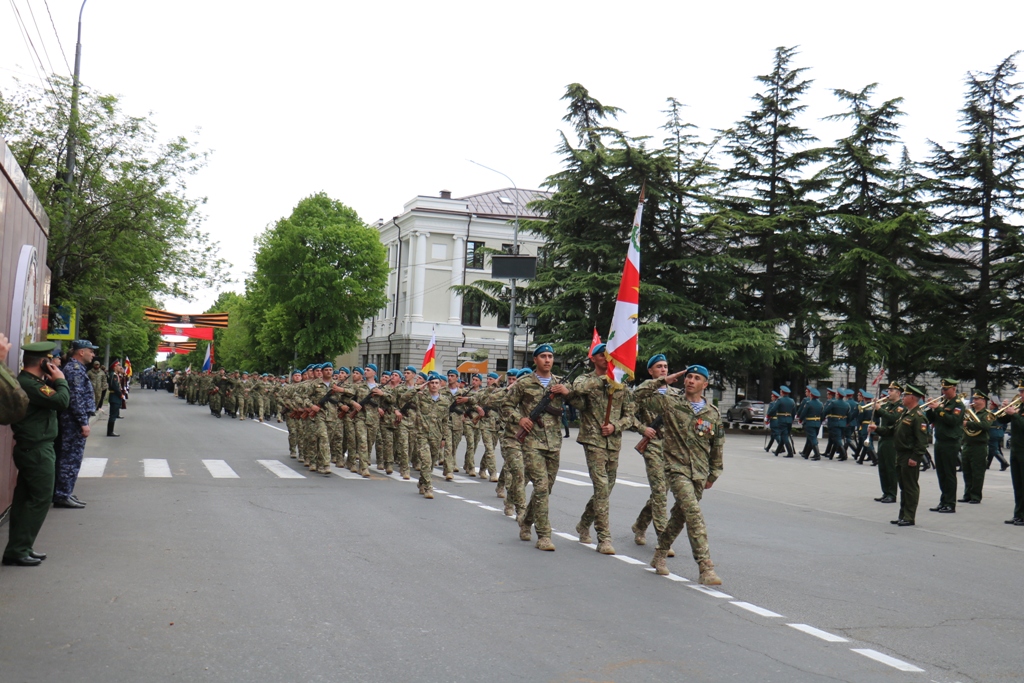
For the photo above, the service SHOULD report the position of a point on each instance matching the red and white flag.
(624, 339)
(593, 343)
(429, 356)
(881, 374)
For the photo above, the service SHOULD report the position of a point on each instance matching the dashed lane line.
(818, 633)
(624, 482)
(761, 611)
(571, 482)
(886, 659)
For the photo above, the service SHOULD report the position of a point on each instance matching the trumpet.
(929, 402)
(971, 417)
(878, 402)
(1015, 403)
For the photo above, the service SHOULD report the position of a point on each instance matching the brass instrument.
(929, 402)
(973, 417)
(1015, 403)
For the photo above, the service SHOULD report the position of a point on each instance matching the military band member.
(887, 415)
(773, 422)
(948, 418)
(1015, 419)
(910, 436)
(976, 447)
(865, 447)
(784, 408)
(836, 411)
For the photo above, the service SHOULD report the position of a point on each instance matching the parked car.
(746, 411)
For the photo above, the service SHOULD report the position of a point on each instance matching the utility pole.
(69, 176)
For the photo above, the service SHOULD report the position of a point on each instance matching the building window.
(475, 255)
(503, 320)
(507, 249)
(501, 364)
(470, 312)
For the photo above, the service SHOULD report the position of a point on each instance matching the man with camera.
(47, 392)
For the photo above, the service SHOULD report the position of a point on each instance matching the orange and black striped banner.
(155, 315)
(180, 347)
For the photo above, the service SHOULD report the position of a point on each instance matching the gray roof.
(489, 203)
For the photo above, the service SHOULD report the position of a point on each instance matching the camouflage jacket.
(432, 414)
(82, 400)
(13, 399)
(590, 396)
(693, 443)
(520, 400)
(648, 409)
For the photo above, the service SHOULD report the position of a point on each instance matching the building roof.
(490, 204)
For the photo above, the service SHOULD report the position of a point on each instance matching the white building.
(436, 243)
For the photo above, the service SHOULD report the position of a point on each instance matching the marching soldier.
(656, 508)
(433, 417)
(836, 412)
(910, 437)
(785, 407)
(948, 418)
(810, 417)
(865, 449)
(773, 422)
(488, 427)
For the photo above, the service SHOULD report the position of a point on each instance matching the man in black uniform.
(1013, 417)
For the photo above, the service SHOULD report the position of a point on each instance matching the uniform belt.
(839, 417)
(809, 419)
(783, 414)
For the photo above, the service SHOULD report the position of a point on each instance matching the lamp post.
(515, 252)
(69, 177)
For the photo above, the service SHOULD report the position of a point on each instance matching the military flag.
(623, 339)
(428, 357)
(190, 332)
(208, 360)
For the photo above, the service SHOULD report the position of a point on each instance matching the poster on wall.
(63, 321)
(25, 322)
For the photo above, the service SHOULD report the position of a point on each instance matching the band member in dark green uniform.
(948, 418)
(810, 417)
(34, 434)
(1013, 417)
(976, 447)
(887, 414)
(910, 435)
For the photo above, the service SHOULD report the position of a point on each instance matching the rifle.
(544, 406)
(641, 447)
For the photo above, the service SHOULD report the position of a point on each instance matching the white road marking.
(755, 609)
(265, 424)
(712, 592)
(440, 491)
(571, 482)
(92, 467)
(398, 477)
(281, 470)
(818, 633)
(488, 507)
(568, 537)
(671, 577)
(473, 502)
(344, 473)
(886, 659)
(452, 495)
(153, 467)
(629, 560)
(617, 481)
(456, 477)
(219, 469)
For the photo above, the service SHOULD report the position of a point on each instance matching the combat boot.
(449, 477)
(500, 490)
(671, 553)
(708, 577)
(584, 533)
(494, 478)
(525, 533)
(640, 535)
(510, 509)
(429, 495)
(365, 473)
(544, 543)
(660, 568)
(605, 548)
(389, 470)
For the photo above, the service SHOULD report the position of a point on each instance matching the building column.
(419, 280)
(458, 271)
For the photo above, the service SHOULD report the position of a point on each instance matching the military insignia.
(956, 411)
(47, 391)
(908, 421)
(924, 428)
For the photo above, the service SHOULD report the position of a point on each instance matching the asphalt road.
(255, 577)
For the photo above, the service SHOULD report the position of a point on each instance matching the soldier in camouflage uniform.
(386, 434)
(511, 477)
(456, 422)
(486, 428)
(543, 443)
(285, 408)
(433, 416)
(693, 442)
(98, 380)
(406, 415)
(471, 424)
(601, 441)
(257, 395)
(656, 509)
(217, 394)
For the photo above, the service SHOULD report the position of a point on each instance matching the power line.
(40, 34)
(32, 50)
(59, 44)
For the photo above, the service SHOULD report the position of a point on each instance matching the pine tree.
(978, 187)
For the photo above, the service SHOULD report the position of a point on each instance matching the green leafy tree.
(978, 189)
(318, 274)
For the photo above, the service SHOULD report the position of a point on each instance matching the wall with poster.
(24, 284)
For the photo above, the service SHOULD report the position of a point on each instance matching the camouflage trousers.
(241, 406)
(512, 473)
(472, 432)
(488, 437)
(320, 445)
(686, 512)
(302, 440)
(259, 406)
(405, 433)
(430, 449)
(366, 437)
(541, 467)
(216, 401)
(455, 434)
(289, 422)
(656, 509)
(386, 446)
(336, 434)
(603, 464)
(350, 442)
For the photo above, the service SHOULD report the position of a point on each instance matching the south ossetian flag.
(623, 343)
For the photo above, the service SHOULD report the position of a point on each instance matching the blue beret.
(328, 364)
(296, 371)
(656, 358)
(492, 375)
(814, 392)
(524, 371)
(698, 369)
(372, 366)
(543, 348)
(355, 369)
(478, 376)
(784, 389)
(345, 370)
(386, 373)
(600, 348)
(424, 375)
(410, 368)
(453, 372)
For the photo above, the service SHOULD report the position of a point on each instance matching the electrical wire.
(59, 44)
(40, 34)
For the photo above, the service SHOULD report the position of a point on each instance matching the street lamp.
(515, 252)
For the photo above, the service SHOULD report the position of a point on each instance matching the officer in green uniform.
(887, 414)
(1013, 417)
(47, 392)
(773, 422)
(910, 436)
(948, 418)
(976, 447)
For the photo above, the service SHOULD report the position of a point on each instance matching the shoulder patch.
(924, 427)
(47, 390)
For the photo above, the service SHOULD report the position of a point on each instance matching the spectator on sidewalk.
(74, 424)
(116, 393)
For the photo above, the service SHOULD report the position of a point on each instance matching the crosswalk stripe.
(92, 467)
(572, 482)
(155, 467)
(456, 477)
(398, 477)
(344, 473)
(281, 470)
(624, 482)
(220, 469)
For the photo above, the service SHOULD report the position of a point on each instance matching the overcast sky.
(375, 103)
